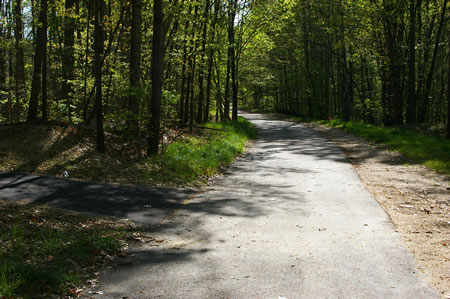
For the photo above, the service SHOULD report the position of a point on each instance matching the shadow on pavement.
(145, 205)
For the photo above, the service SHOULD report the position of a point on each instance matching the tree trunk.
(448, 88)
(184, 89)
(20, 60)
(135, 64)
(425, 41)
(44, 65)
(411, 107)
(234, 83)
(231, 58)
(37, 72)
(210, 62)
(201, 72)
(156, 73)
(68, 56)
(3, 50)
(426, 96)
(98, 63)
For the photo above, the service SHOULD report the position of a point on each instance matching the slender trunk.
(156, 73)
(183, 82)
(307, 67)
(135, 64)
(426, 41)
(44, 65)
(98, 62)
(192, 103)
(20, 60)
(210, 62)
(37, 72)
(69, 56)
(426, 96)
(201, 72)
(86, 65)
(448, 89)
(184, 90)
(231, 58)
(226, 109)
(411, 107)
(3, 50)
(219, 106)
(233, 62)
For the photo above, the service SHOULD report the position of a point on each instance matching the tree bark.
(210, 62)
(448, 88)
(231, 58)
(20, 60)
(3, 50)
(201, 72)
(44, 65)
(426, 96)
(69, 56)
(156, 73)
(41, 33)
(98, 63)
(233, 61)
(135, 64)
(411, 107)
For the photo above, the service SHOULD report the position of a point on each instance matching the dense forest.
(135, 66)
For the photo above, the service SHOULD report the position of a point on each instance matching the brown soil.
(55, 148)
(415, 197)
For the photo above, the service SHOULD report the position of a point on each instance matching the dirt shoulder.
(415, 197)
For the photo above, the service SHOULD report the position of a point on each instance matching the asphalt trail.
(290, 219)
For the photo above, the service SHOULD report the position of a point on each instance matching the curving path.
(290, 219)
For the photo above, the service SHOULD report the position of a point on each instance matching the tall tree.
(157, 75)
(20, 60)
(411, 108)
(211, 61)
(135, 64)
(233, 59)
(429, 81)
(201, 72)
(41, 40)
(98, 63)
(3, 51)
(44, 106)
(69, 56)
(448, 86)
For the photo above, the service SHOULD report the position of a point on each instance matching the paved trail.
(291, 219)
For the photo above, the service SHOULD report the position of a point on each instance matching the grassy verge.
(433, 152)
(194, 159)
(46, 251)
(187, 157)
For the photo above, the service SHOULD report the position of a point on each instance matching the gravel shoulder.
(416, 198)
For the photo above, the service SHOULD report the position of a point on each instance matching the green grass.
(196, 158)
(433, 152)
(48, 252)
